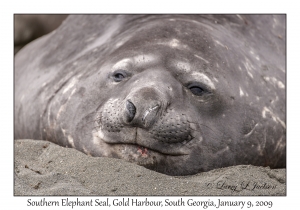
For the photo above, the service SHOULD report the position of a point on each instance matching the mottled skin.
(177, 94)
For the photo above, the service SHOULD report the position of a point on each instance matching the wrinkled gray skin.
(177, 94)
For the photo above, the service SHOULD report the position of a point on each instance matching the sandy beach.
(44, 168)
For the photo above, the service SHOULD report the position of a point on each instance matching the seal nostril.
(131, 110)
(149, 111)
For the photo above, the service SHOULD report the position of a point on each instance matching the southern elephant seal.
(178, 94)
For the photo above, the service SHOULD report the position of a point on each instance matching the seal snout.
(145, 118)
(141, 107)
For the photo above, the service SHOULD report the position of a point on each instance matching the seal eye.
(119, 75)
(196, 89)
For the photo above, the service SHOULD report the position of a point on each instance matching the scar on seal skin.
(178, 94)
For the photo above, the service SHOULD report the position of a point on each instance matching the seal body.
(29, 27)
(178, 94)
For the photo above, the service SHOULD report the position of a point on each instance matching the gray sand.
(43, 168)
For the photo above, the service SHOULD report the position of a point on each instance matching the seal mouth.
(142, 143)
(146, 151)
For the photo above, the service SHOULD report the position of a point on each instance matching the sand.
(44, 168)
